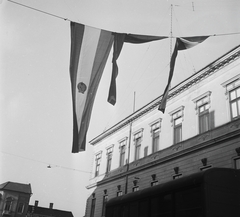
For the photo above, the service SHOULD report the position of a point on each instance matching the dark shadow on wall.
(212, 120)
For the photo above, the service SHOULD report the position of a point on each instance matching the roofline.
(47, 208)
(202, 74)
(5, 184)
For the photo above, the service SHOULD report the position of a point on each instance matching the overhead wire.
(41, 11)
(67, 19)
(184, 53)
(50, 165)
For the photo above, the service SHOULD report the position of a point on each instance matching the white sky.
(36, 107)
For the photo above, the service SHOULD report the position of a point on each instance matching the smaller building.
(37, 211)
(14, 199)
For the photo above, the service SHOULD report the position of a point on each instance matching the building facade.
(14, 199)
(200, 129)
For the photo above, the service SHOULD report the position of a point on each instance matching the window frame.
(119, 193)
(203, 101)
(20, 208)
(235, 164)
(177, 131)
(154, 180)
(122, 155)
(236, 101)
(137, 148)
(122, 151)
(109, 153)
(154, 183)
(8, 204)
(155, 134)
(98, 157)
(177, 114)
(204, 119)
(230, 85)
(135, 188)
(155, 140)
(93, 205)
(138, 135)
(105, 200)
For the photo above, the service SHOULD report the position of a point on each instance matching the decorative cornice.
(172, 155)
(202, 74)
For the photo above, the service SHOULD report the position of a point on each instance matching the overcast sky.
(36, 107)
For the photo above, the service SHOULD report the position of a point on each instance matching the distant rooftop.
(18, 187)
(48, 211)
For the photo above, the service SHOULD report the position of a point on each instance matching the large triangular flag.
(119, 39)
(181, 44)
(90, 48)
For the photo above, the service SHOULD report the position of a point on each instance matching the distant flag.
(90, 48)
(181, 44)
(119, 39)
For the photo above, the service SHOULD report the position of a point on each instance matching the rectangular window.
(136, 188)
(109, 159)
(177, 176)
(20, 208)
(97, 167)
(155, 140)
(234, 99)
(122, 155)
(177, 130)
(98, 159)
(176, 120)
(203, 118)
(155, 131)
(137, 142)
(119, 193)
(237, 163)
(153, 183)
(137, 148)
(93, 207)
(7, 205)
(105, 199)
(202, 106)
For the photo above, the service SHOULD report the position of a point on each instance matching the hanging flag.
(119, 39)
(90, 48)
(181, 44)
(117, 47)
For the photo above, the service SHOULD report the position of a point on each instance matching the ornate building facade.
(200, 129)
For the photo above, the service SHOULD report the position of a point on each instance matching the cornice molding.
(207, 142)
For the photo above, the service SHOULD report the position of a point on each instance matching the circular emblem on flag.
(81, 87)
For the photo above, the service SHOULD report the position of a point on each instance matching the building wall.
(17, 198)
(217, 146)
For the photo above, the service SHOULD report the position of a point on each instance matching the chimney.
(50, 205)
(36, 203)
